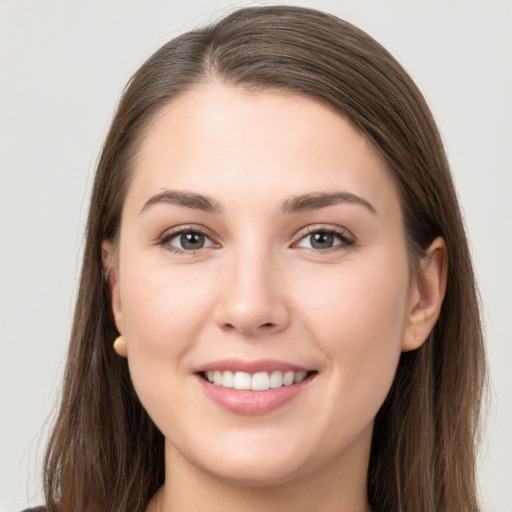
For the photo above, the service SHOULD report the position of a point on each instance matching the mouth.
(259, 381)
(253, 387)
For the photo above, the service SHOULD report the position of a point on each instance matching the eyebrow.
(318, 200)
(186, 199)
(306, 202)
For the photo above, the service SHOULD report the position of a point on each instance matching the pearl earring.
(120, 346)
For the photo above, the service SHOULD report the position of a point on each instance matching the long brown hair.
(105, 453)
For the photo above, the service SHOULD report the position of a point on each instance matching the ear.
(111, 269)
(428, 288)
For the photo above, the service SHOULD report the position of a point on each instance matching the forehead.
(229, 141)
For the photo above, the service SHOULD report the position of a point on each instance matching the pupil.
(322, 240)
(192, 240)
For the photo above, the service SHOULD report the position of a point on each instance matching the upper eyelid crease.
(329, 228)
(178, 230)
(308, 230)
(346, 237)
(170, 235)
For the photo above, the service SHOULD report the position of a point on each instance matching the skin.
(258, 289)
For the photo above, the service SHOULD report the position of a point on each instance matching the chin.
(248, 473)
(258, 463)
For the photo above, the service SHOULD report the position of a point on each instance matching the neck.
(339, 486)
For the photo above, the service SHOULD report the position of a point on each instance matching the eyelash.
(345, 239)
(164, 241)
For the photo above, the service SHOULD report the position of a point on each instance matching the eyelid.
(345, 236)
(171, 233)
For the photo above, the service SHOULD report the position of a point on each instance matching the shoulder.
(35, 509)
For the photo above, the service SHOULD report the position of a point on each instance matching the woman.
(277, 307)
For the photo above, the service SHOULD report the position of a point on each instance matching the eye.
(186, 241)
(324, 239)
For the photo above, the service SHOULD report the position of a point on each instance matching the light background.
(62, 68)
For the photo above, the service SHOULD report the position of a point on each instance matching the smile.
(260, 381)
(253, 387)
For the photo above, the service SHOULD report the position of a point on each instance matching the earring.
(120, 346)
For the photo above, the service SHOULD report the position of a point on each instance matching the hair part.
(105, 453)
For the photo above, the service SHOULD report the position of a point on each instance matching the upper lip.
(258, 365)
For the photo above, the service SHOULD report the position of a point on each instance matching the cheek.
(161, 304)
(349, 307)
(164, 311)
(357, 320)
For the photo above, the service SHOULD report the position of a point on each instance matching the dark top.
(36, 509)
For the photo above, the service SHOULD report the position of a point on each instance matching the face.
(261, 247)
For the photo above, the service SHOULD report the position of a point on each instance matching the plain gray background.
(63, 66)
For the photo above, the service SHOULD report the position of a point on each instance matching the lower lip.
(250, 403)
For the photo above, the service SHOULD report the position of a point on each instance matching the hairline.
(210, 78)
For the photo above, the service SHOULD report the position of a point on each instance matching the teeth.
(242, 380)
(227, 379)
(299, 376)
(260, 381)
(276, 379)
(288, 378)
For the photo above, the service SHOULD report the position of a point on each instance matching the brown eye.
(321, 240)
(191, 241)
(186, 241)
(324, 239)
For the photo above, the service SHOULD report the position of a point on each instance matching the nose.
(252, 297)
